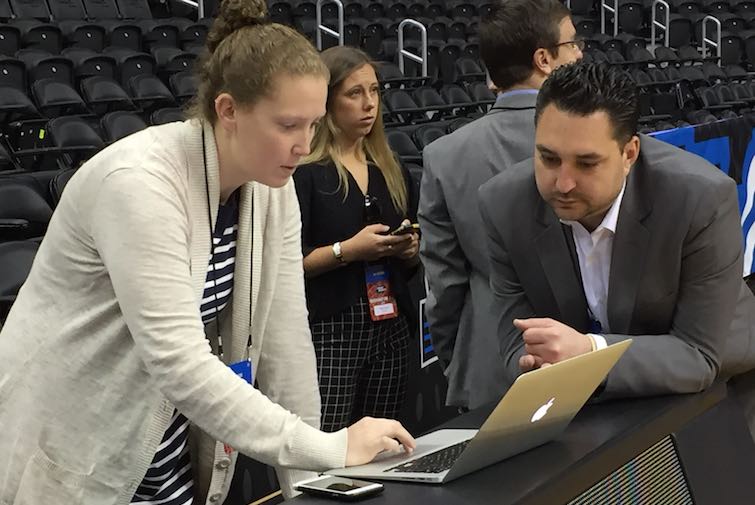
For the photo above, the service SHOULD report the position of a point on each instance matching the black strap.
(212, 253)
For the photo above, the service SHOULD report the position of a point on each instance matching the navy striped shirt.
(169, 479)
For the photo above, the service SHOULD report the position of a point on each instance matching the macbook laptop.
(536, 409)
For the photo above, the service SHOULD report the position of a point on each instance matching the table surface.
(601, 438)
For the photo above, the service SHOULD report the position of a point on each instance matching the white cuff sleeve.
(600, 341)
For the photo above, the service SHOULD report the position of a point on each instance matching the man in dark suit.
(521, 42)
(606, 235)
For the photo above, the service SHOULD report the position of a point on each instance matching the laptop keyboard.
(436, 462)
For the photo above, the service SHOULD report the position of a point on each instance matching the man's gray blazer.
(459, 304)
(675, 283)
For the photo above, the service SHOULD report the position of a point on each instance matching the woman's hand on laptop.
(368, 437)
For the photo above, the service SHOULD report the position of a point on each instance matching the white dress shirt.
(594, 252)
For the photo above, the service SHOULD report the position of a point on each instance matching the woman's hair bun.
(235, 14)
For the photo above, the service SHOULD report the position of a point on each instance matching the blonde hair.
(342, 61)
(243, 55)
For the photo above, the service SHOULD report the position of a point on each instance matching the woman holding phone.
(353, 192)
(162, 328)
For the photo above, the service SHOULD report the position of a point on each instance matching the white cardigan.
(105, 337)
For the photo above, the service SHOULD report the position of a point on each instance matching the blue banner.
(730, 145)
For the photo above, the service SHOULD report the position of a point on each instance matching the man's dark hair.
(511, 34)
(583, 88)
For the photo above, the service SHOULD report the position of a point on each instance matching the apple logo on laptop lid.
(542, 411)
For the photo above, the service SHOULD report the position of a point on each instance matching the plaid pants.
(361, 365)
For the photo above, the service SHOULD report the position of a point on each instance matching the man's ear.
(542, 61)
(631, 153)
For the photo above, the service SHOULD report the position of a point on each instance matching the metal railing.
(604, 7)
(403, 53)
(321, 28)
(655, 24)
(708, 42)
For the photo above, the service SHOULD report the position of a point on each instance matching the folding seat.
(680, 30)
(373, 36)
(120, 124)
(712, 101)
(631, 16)
(417, 9)
(715, 7)
(16, 259)
(481, 94)
(32, 19)
(131, 63)
(685, 7)
(743, 7)
(464, 10)
(732, 49)
(52, 83)
(24, 212)
(639, 56)
(457, 31)
(402, 106)
(694, 75)
(41, 64)
(171, 60)
(735, 73)
(167, 115)
(281, 12)
(586, 26)
(194, 35)
(103, 94)
(58, 184)
(425, 135)
(666, 55)
(389, 50)
(731, 22)
(743, 93)
(438, 31)
(155, 32)
(55, 98)
(10, 39)
(615, 58)
(581, 7)
(598, 56)
(713, 72)
(396, 10)
(7, 163)
(401, 143)
(87, 63)
(448, 56)
(430, 102)
(435, 10)
(183, 86)
(74, 140)
(748, 36)
(454, 94)
(76, 30)
(149, 92)
(389, 74)
(458, 123)
(353, 10)
(689, 55)
(629, 41)
(375, 10)
(701, 117)
(305, 9)
(308, 27)
(467, 69)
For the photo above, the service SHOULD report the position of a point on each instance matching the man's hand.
(546, 341)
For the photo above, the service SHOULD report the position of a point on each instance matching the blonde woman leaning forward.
(173, 254)
(352, 191)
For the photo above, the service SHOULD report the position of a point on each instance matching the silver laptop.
(536, 409)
